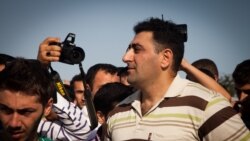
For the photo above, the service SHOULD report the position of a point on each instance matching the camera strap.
(59, 85)
(87, 94)
(89, 102)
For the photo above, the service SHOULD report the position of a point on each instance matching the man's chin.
(18, 136)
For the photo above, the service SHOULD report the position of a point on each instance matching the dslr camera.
(70, 54)
(182, 28)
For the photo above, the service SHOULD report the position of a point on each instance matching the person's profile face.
(142, 60)
(20, 114)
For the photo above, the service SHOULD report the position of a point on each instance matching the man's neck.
(152, 94)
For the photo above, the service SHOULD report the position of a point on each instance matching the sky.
(218, 30)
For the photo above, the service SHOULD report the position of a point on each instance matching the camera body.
(182, 28)
(70, 54)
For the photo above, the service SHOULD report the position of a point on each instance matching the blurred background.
(218, 30)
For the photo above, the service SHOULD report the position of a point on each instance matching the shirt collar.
(176, 87)
(174, 90)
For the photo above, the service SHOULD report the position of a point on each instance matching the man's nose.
(127, 56)
(15, 121)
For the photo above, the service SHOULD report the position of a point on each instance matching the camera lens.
(77, 55)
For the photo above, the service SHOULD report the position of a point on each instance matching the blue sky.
(218, 30)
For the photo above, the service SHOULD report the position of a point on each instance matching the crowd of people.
(146, 100)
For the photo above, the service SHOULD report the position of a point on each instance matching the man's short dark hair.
(28, 76)
(5, 58)
(122, 71)
(77, 77)
(207, 64)
(109, 95)
(92, 71)
(241, 74)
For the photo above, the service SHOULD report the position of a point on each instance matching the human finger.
(47, 52)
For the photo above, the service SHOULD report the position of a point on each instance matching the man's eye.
(137, 49)
(5, 110)
(25, 112)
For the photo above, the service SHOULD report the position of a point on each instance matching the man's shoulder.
(199, 90)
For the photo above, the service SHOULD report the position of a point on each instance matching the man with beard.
(25, 97)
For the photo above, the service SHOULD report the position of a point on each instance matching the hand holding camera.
(70, 53)
(51, 49)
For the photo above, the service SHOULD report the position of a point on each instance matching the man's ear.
(216, 77)
(100, 117)
(167, 58)
(48, 107)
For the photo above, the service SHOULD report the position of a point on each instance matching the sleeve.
(71, 126)
(221, 118)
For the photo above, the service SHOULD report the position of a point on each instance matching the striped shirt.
(187, 112)
(71, 126)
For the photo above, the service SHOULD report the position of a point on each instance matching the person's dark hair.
(165, 35)
(70, 91)
(207, 72)
(77, 77)
(241, 74)
(207, 64)
(28, 76)
(122, 71)
(92, 71)
(5, 58)
(109, 95)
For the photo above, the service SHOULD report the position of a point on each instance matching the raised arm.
(203, 79)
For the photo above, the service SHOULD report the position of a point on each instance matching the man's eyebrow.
(4, 106)
(26, 109)
(135, 44)
(129, 46)
(132, 45)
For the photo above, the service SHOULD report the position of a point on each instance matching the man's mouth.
(130, 67)
(16, 135)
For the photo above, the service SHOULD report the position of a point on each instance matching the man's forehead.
(21, 108)
(104, 76)
(21, 99)
(141, 38)
(143, 35)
